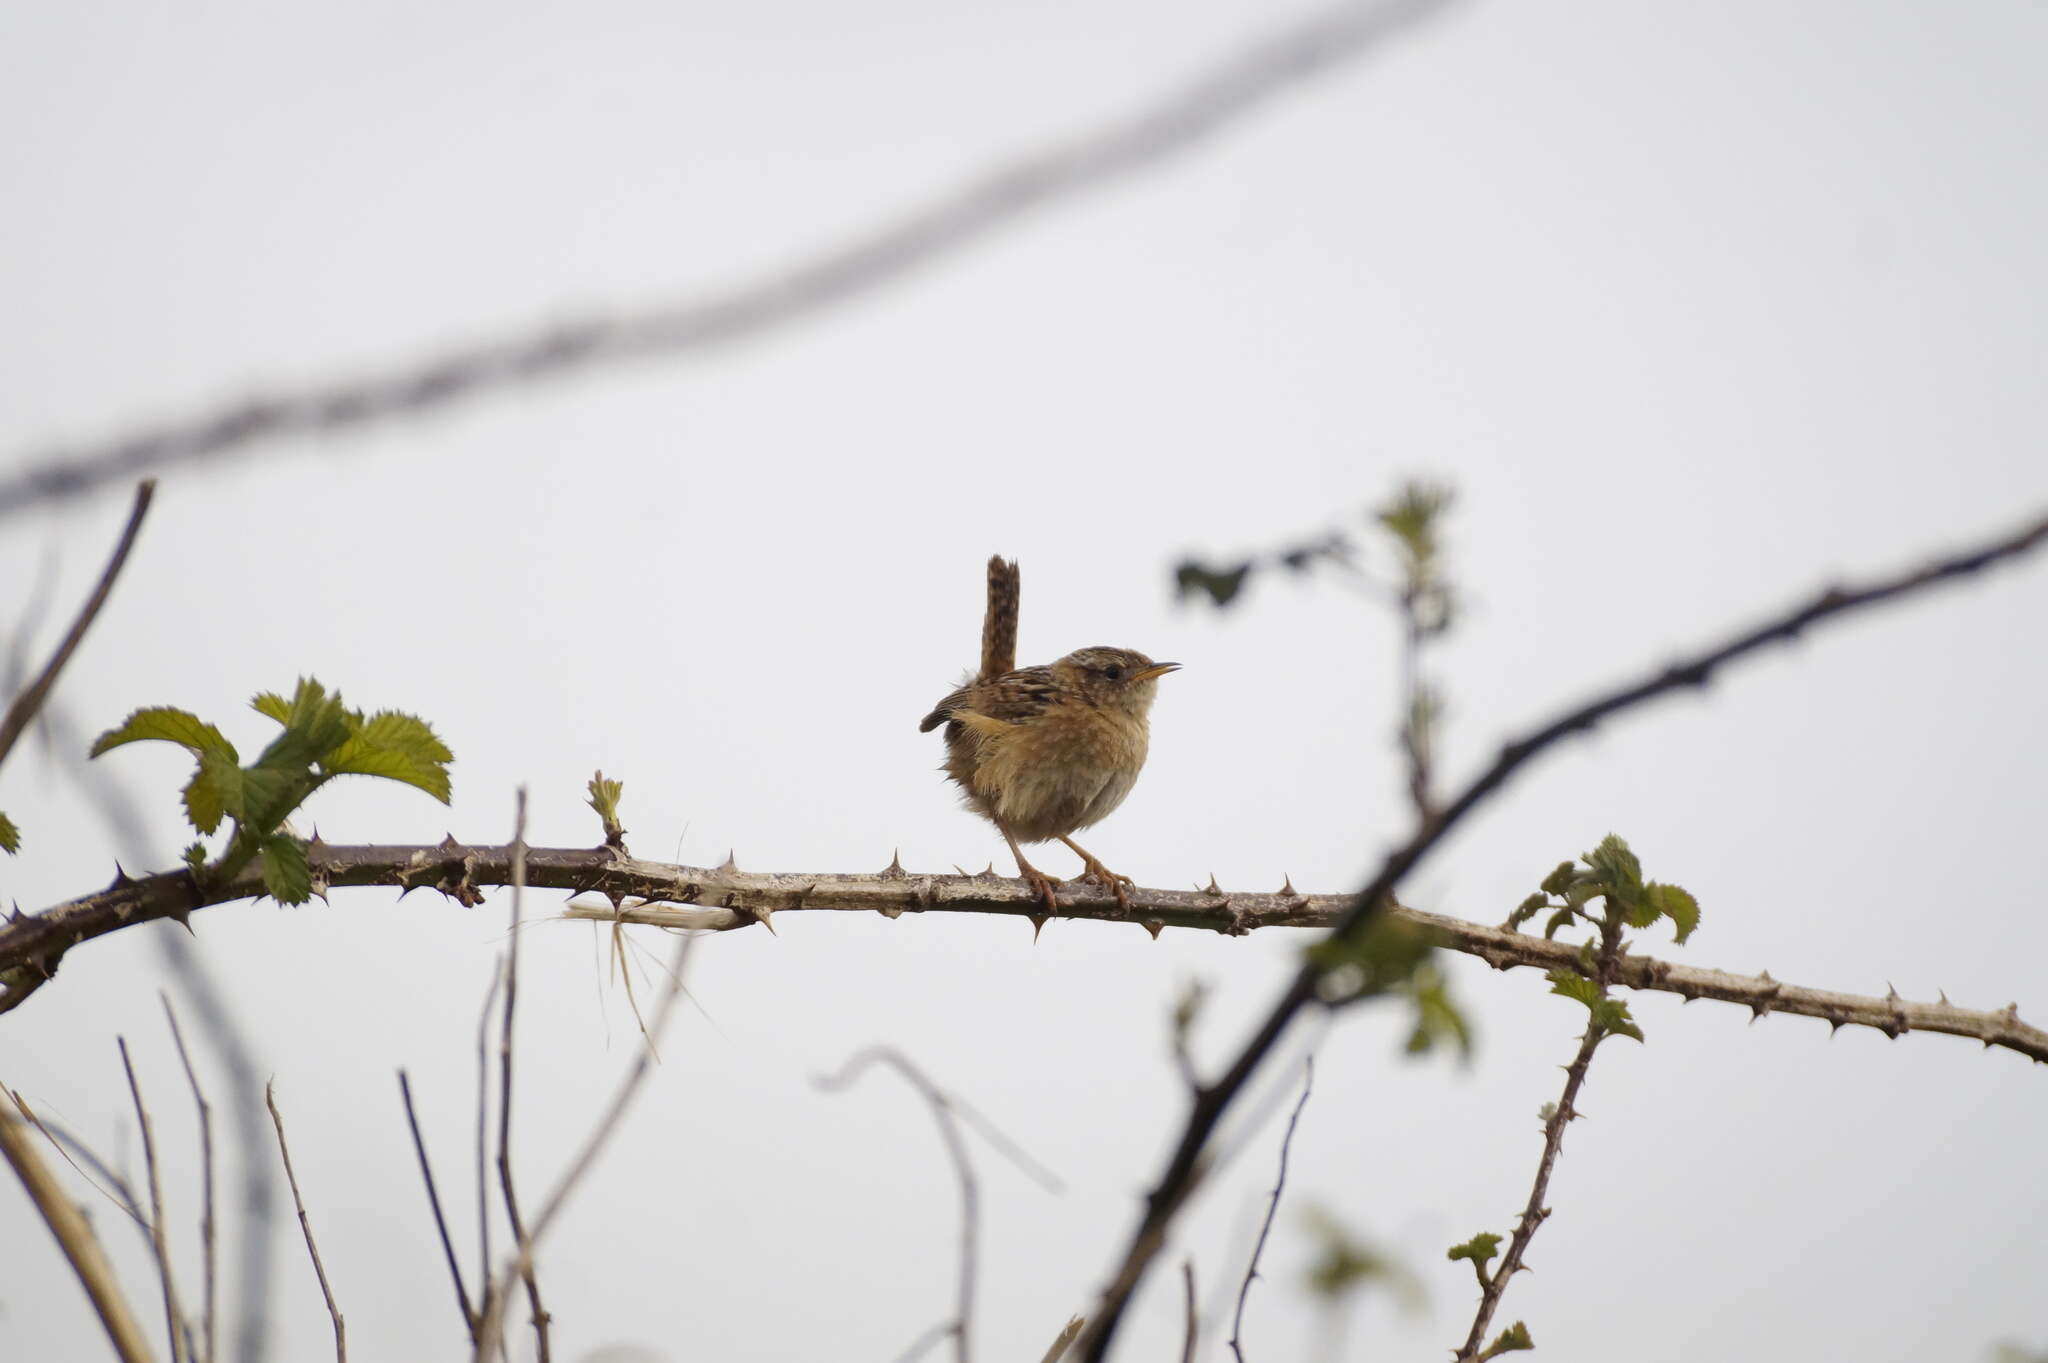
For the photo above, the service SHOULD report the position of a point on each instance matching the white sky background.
(1698, 306)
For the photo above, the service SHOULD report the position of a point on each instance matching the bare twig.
(941, 1104)
(1064, 1341)
(1193, 1330)
(306, 1226)
(207, 1242)
(586, 1157)
(22, 711)
(483, 1157)
(922, 1345)
(419, 1145)
(1534, 1214)
(174, 1316)
(526, 1266)
(1241, 82)
(1251, 1270)
(1178, 1179)
(74, 1236)
(105, 1180)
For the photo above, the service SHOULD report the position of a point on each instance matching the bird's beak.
(1156, 670)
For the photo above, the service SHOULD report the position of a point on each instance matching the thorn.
(1152, 925)
(1891, 992)
(894, 870)
(965, 874)
(1287, 890)
(765, 917)
(1038, 922)
(729, 864)
(121, 879)
(1212, 887)
(447, 843)
(989, 871)
(1835, 1024)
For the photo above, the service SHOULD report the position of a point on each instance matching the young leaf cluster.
(321, 739)
(1611, 875)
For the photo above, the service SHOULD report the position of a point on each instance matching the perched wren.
(1041, 752)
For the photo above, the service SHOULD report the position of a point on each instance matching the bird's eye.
(1112, 673)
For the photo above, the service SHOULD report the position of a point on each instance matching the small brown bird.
(1042, 752)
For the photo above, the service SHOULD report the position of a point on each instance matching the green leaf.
(1614, 863)
(10, 836)
(1514, 1339)
(1681, 908)
(195, 855)
(1612, 1015)
(1528, 909)
(1573, 986)
(1437, 1017)
(315, 724)
(214, 790)
(271, 704)
(1560, 880)
(1480, 1249)
(285, 873)
(1558, 921)
(270, 795)
(163, 722)
(604, 798)
(397, 747)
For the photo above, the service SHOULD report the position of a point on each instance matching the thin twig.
(74, 1236)
(1251, 1270)
(419, 1145)
(922, 1345)
(586, 1157)
(1243, 80)
(306, 1226)
(174, 1316)
(505, 1183)
(1064, 1340)
(941, 1104)
(483, 1157)
(1534, 1213)
(1178, 1179)
(206, 1222)
(105, 1180)
(1193, 1329)
(23, 710)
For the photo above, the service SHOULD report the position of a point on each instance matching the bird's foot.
(1120, 886)
(1044, 885)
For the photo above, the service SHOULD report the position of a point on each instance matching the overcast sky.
(1699, 307)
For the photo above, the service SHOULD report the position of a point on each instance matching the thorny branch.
(737, 899)
(1251, 1270)
(1177, 1181)
(991, 202)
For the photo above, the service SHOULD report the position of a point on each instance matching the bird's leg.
(1094, 870)
(1037, 879)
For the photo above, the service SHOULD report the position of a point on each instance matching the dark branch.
(989, 203)
(1178, 1179)
(419, 1145)
(22, 712)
